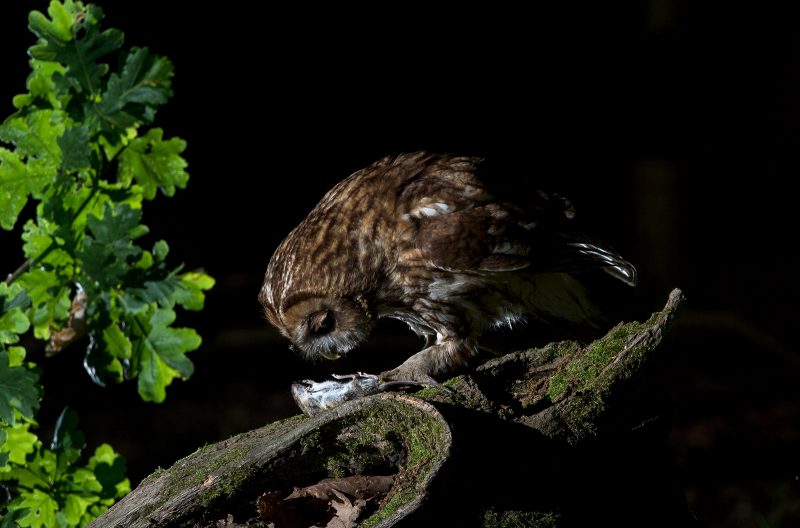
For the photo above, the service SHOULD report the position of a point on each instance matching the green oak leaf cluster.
(56, 489)
(78, 159)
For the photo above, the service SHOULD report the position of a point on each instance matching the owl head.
(320, 326)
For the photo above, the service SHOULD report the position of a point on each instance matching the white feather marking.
(287, 284)
(427, 211)
(431, 209)
(267, 289)
(508, 319)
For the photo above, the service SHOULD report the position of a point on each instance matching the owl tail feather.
(607, 259)
(571, 254)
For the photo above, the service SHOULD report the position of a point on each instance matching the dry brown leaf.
(331, 503)
(347, 511)
(228, 522)
(357, 486)
(74, 330)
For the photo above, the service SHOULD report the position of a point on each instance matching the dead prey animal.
(314, 397)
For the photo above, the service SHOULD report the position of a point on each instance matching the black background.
(672, 126)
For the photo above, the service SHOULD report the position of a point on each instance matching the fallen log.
(564, 435)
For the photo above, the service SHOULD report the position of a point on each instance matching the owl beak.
(328, 354)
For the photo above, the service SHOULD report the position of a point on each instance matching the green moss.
(579, 374)
(582, 412)
(556, 350)
(461, 393)
(389, 508)
(452, 383)
(429, 392)
(591, 377)
(311, 441)
(557, 386)
(520, 519)
(227, 488)
(600, 352)
(358, 455)
(365, 439)
(422, 436)
(187, 473)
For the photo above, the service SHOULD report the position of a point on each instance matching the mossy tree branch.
(556, 436)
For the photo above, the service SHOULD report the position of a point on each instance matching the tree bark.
(564, 435)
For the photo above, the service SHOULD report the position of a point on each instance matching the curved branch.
(563, 435)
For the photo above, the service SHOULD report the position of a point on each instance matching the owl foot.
(412, 373)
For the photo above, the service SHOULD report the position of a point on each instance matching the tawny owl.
(420, 238)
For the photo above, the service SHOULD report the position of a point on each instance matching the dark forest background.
(673, 126)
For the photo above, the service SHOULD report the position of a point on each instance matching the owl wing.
(482, 238)
(461, 226)
(499, 237)
(457, 224)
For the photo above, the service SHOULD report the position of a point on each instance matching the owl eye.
(321, 323)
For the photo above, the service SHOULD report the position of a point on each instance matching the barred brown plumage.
(420, 238)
